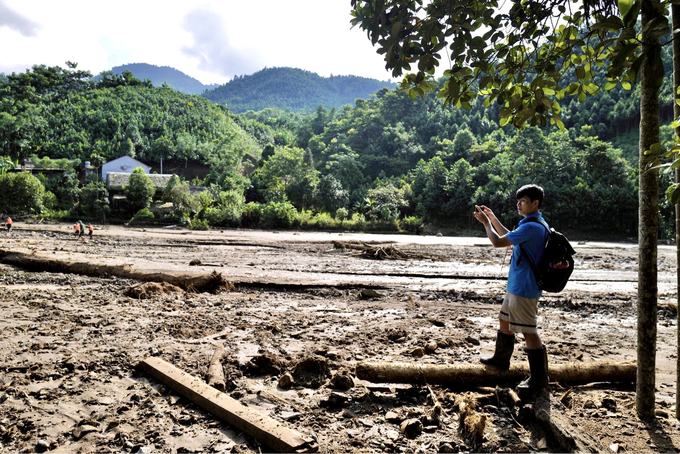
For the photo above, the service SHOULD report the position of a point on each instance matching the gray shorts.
(520, 312)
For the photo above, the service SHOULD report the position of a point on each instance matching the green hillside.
(293, 89)
(49, 111)
(158, 75)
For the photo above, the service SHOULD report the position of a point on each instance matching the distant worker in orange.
(90, 230)
(9, 224)
(76, 227)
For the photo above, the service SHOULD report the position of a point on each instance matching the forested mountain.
(63, 113)
(385, 161)
(293, 89)
(158, 75)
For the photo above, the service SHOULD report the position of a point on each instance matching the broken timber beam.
(480, 375)
(216, 371)
(265, 429)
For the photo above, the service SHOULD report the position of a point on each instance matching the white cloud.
(14, 21)
(212, 41)
(212, 47)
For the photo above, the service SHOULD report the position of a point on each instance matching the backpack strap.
(532, 265)
(538, 221)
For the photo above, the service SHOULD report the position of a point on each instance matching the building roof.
(116, 180)
(141, 164)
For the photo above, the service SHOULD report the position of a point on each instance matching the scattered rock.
(42, 446)
(411, 427)
(311, 372)
(286, 381)
(80, 431)
(437, 322)
(397, 335)
(588, 404)
(609, 404)
(342, 381)
(392, 416)
(368, 293)
(195, 262)
(431, 346)
(447, 447)
(472, 340)
(418, 352)
(335, 400)
(661, 414)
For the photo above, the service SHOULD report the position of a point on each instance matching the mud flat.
(301, 315)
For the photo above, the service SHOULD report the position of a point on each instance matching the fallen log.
(216, 371)
(269, 431)
(480, 375)
(198, 282)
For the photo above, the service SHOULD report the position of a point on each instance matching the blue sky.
(211, 41)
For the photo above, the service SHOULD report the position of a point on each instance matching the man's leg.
(538, 365)
(505, 342)
(504, 327)
(533, 341)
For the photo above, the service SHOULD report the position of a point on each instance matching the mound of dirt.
(264, 365)
(215, 283)
(312, 372)
(151, 290)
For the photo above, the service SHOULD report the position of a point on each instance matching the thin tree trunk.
(676, 111)
(648, 224)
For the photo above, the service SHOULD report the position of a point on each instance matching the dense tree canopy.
(384, 159)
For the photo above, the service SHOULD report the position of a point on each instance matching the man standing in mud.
(519, 310)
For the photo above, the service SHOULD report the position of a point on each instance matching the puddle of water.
(484, 321)
(246, 350)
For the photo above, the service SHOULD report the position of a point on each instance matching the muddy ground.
(70, 343)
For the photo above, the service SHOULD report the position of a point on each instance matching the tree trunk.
(200, 282)
(648, 224)
(675, 9)
(479, 375)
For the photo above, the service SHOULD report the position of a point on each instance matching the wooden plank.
(262, 427)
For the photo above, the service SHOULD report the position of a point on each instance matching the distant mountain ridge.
(165, 74)
(294, 89)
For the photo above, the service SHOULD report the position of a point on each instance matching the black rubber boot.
(505, 344)
(538, 365)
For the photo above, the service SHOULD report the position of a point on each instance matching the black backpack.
(554, 270)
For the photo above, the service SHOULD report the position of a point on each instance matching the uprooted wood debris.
(379, 251)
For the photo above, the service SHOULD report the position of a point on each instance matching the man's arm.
(500, 228)
(496, 239)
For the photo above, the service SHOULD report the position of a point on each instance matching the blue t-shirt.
(532, 236)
